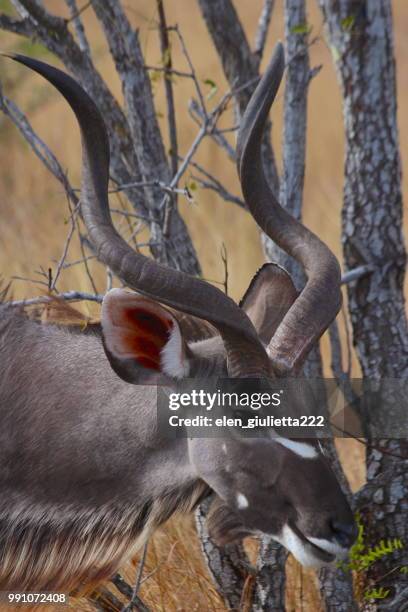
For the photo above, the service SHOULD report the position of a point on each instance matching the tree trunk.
(361, 39)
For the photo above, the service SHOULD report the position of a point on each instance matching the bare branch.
(206, 129)
(215, 185)
(79, 12)
(357, 273)
(263, 27)
(16, 26)
(69, 296)
(53, 32)
(75, 17)
(126, 52)
(142, 184)
(39, 147)
(85, 258)
(65, 249)
(126, 590)
(216, 135)
(170, 71)
(134, 600)
(176, 248)
(171, 114)
(31, 280)
(168, 85)
(52, 164)
(239, 65)
(191, 66)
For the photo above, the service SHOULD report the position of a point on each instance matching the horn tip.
(279, 52)
(14, 56)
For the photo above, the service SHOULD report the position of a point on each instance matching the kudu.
(84, 475)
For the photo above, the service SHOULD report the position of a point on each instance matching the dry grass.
(33, 227)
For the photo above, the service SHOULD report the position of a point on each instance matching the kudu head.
(282, 487)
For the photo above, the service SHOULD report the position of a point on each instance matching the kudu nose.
(344, 532)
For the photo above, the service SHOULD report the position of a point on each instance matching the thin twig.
(69, 296)
(133, 602)
(79, 262)
(356, 273)
(79, 12)
(52, 164)
(127, 213)
(224, 258)
(216, 135)
(142, 184)
(30, 280)
(39, 147)
(65, 249)
(215, 185)
(170, 71)
(219, 189)
(85, 260)
(209, 124)
(191, 66)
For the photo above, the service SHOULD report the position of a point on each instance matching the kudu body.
(84, 475)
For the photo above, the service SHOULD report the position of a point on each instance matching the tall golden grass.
(34, 214)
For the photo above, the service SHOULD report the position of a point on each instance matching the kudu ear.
(142, 339)
(268, 298)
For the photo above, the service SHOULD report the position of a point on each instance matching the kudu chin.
(84, 476)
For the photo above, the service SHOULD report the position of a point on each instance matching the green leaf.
(335, 53)
(213, 86)
(301, 28)
(380, 593)
(348, 22)
(155, 76)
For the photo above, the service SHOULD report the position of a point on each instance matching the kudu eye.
(344, 532)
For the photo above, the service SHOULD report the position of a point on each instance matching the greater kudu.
(84, 476)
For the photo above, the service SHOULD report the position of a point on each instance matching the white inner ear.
(173, 360)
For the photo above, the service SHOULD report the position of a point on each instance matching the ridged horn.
(246, 356)
(320, 300)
